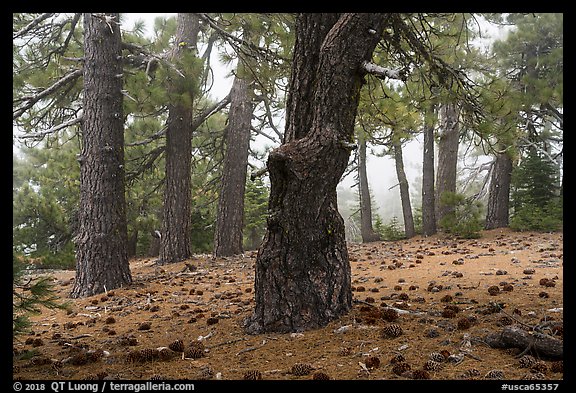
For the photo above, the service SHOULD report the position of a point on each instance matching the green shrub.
(464, 218)
(63, 260)
(541, 219)
(391, 231)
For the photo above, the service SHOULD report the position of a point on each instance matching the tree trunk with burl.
(302, 278)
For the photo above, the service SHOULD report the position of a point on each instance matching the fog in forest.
(383, 182)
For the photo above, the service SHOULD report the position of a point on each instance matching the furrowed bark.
(102, 257)
(302, 276)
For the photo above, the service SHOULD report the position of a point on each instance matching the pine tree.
(535, 195)
(30, 296)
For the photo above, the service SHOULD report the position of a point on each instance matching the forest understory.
(424, 308)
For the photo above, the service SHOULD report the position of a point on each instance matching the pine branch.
(41, 134)
(33, 99)
(31, 25)
(238, 43)
(149, 160)
(260, 132)
(210, 111)
(153, 137)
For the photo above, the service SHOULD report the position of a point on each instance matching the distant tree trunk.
(428, 200)
(497, 214)
(302, 278)
(154, 247)
(228, 235)
(253, 239)
(409, 230)
(102, 257)
(175, 239)
(447, 158)
(132, 243)
(366, 229)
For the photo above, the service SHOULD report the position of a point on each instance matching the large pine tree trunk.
(409, 230)
(176, 215)
(366, 229)
(302, 278)
(228, 236)
(102, 257)
(447, 158)
(497, 211)
(428, 200)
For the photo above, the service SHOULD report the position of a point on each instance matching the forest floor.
(204, 299)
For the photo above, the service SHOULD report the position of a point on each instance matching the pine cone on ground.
(165, 353)
(301, 369)
(389, 314)
(436, 357)
(372, 362)
(527, 361)
(320, 376)
(494, 290)
(177, 346)
(464, 323)
(252, 375)
(391, 331)
(557, 366)
(494, 374)
(401, 368)
(420, 374)
(539, 367)
(432, 365)
(149, 354)
(193, 353)
(471, 374)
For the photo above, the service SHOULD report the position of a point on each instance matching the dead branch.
(529, 341)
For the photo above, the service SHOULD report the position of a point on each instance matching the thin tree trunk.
(428, 200)
(302, 278)
(497, 211)
(176, 215)
(228, 236)
(409, 230)
(447, 159)
(102, 257)
(366, 229)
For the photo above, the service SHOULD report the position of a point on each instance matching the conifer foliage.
(29, 296)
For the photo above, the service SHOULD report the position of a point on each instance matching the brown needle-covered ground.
(117, 335)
